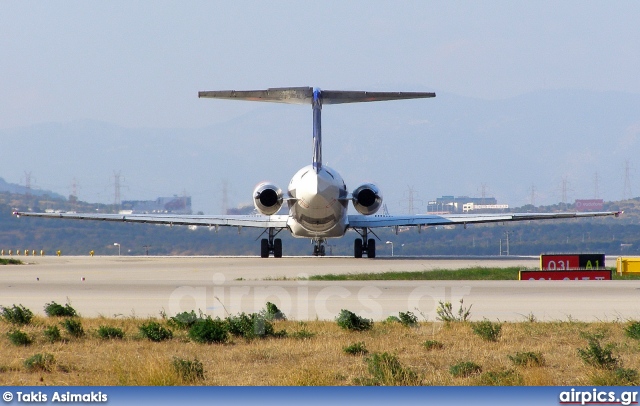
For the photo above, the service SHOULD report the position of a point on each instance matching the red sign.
(584, 275)
(559, 262)
(589, 205)
(564, 262)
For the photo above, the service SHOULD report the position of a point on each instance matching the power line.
(411, 200)
(116, 199)
(533, 195)
(27, 182)
(626, 193)
(225, 196)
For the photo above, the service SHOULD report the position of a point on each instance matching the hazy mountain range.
(449, 145)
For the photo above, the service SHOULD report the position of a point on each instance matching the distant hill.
(18, 189)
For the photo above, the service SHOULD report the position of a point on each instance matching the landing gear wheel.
(277, 248)
(371, 248)
(264, 248)
(322, 251)
(357, 248)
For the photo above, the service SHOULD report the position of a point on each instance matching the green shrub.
(155, 332)
(39, 362)
(464, 369)
(445, 312)
(350, 321)
(487, 330)
(392, 319)
(184, 320)
(273, 313)
(54, 309)
(501, 378)
(356, 349)
(598, 356)
(302, 333)
(432, 345)
(527, 359)
(52, 334)
(626, 377)
(187, 370)
(250, 326)
(616, 377)
(17, 314)
(10, 261)
(408, 319)
(209, 331)
(107, 332)
(633, 330)
(387, 370)
(73, 327)
(18, 337)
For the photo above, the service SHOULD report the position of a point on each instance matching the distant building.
(590, 205)
(474, 207)
(251, 210)
(242, 210)
(175, 205)
(461, 204)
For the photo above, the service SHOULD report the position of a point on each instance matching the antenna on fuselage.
(315, 97)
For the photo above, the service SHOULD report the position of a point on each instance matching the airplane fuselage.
(318, 201)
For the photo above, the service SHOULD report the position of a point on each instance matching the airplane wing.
(362, 221)
(258, 221)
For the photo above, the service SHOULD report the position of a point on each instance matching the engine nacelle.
(267, 198)
(367, 198)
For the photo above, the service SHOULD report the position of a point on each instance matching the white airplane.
(317, 197)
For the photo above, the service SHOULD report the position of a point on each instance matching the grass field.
(10, 261)
(564, 352)
(466, 274)
(429, 353)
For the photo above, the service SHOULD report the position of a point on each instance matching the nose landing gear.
(319, 248)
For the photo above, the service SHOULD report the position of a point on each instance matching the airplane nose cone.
(317, 189)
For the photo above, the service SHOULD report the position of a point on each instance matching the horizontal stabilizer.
(304, 95)
(290, 95)
(345, 96)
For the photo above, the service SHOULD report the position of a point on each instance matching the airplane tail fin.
(315, 97)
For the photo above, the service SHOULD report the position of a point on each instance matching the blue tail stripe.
(317, 129)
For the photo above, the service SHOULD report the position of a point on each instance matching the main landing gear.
(271, 245)
(364, 245)
(319, 248)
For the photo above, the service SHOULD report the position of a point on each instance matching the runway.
(144, 286)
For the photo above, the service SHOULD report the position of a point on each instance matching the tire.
(322, 250)
(277, 248)
(371, 248)
(264, 248)
(357, 248)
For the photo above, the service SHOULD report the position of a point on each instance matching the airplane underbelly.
(319, 222)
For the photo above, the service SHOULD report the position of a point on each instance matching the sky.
(140, 64)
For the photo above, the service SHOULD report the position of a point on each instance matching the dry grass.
(319, 360)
